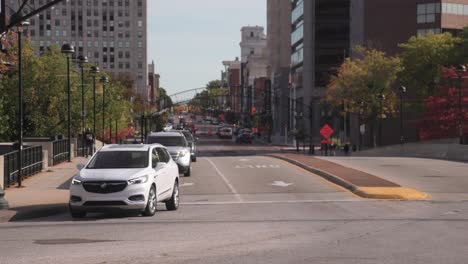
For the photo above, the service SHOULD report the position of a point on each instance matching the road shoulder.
(360, 183)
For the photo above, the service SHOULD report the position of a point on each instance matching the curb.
(32, 212)
(387, 193)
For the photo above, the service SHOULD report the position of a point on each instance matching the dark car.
(244, 136)
(179, 127)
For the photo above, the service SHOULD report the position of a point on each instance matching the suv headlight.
(139, 180)
(183, 153)
(75, 181)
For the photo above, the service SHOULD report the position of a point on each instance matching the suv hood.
(110, 174)
(175, 150)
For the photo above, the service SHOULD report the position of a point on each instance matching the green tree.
(423, 58)
(361, 81)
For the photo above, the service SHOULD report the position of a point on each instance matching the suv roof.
(167, 134)
(130, 147)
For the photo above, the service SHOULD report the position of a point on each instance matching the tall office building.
(320, 39)
(111, 33)
(324, 32)
(279, 47)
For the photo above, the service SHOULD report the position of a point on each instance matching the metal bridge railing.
(31, 164)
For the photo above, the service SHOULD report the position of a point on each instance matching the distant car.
(225, 132)
(126, 177)
(215, 121)
(177, 146)
(179, 127)
(244, 136)
(168, 127)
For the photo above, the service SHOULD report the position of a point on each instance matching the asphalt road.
(241, 208)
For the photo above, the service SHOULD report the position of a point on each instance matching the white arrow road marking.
(187, 184)
(281, 184)
(244, 160)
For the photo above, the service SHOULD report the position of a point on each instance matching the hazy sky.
(189, 39)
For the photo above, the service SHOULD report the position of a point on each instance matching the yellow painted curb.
(400, 193)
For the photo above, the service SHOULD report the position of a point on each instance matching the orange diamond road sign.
(326, 131)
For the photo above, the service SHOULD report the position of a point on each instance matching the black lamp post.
(82, 60)
(361, 112)
(104, 80)
(68, 50)
(311, 121)
(381, 98)
(20, 29)
(460, 69)
(402, 90)
(94, 70)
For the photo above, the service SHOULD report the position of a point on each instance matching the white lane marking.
(273, 202)
(281, 184)
(257, 166)
(244, 160)
(225, 180)
(187, 184)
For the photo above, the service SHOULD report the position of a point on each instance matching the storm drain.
(71, 241)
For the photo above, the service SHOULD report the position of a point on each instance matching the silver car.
(177, 146)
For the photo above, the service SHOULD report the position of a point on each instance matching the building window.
(454, 9)
(140, 24)
(423, 32)
(427, 12)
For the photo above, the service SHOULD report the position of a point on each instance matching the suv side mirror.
(160, 165)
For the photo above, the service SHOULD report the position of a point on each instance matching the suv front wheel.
(150, 209)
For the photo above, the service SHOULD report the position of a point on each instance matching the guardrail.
(60, 150)
(31, 164)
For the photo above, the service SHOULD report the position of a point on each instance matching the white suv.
(126, 177)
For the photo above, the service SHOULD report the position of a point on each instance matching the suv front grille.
(105, 203)
(105, 186)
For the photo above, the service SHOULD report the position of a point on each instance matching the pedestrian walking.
(89, 142)
(346, 148)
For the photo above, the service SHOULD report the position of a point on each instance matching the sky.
(189, 39)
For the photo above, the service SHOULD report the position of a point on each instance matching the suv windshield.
(188, 135)
(119, 160)
(168, 141)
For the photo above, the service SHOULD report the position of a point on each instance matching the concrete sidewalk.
(361, 183)
(43, 194)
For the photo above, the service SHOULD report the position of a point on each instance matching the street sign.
(326, 131)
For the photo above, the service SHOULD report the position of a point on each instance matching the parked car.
(244, 136)
(126, 177)
(192, 143)
(225, 132)
(177, 146)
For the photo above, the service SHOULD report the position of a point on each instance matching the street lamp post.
(20, 29)
(68, 50)
(460, 69)
(104, 80)
(94, 71)
(381, 98)
(82, 60)
(311, 118)
(361, 112)
(402, 98)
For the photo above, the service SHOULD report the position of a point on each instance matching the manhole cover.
(71, 241)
